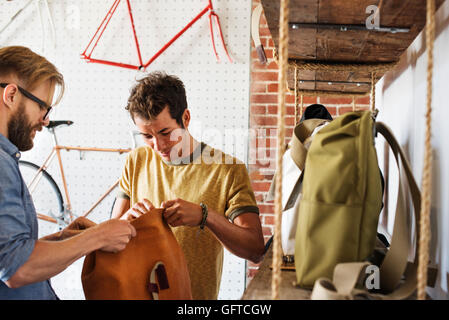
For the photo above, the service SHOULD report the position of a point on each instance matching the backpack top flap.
(297, 152)
(129, 274)
(301, 140)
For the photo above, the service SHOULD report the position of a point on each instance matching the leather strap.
(160, 274)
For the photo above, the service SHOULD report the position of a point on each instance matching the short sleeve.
(241, 197)
(124, 184)
(16, 241)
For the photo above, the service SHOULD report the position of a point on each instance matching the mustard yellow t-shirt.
(209, 176)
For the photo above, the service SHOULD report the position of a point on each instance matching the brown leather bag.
(152, 266)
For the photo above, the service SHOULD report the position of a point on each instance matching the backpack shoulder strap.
(395, 261)
(395, 264)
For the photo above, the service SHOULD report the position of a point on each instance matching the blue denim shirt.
(18, 227)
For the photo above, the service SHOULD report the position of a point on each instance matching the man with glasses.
(42, 104)
(27, 86)
(29, 133)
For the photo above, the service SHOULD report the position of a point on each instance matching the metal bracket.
(346, 27)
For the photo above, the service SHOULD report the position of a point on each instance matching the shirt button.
(17, 155)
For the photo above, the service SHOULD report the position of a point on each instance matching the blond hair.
(30, 68)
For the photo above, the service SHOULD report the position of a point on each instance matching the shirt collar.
(9, 148)
(188, 159)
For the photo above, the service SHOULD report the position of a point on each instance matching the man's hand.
(74, 228)
(179, 212)
(116, 234)
(138, 209)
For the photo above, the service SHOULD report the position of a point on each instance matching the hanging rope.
(373, 92)
(379, 7)
(296, 95)
(353, 103)
(282, 80)
(426, 192)
(298, 105)
(337, 66)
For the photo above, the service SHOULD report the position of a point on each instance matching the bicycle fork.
(217, 22)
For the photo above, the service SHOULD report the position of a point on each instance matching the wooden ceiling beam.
(324, 51)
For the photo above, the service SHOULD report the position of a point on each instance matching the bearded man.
(27, 86)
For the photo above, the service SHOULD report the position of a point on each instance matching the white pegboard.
(217, 93)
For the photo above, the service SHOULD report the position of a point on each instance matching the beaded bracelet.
(205, 212)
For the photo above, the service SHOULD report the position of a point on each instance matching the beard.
(20, 129)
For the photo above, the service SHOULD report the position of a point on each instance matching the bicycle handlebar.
(56, 123)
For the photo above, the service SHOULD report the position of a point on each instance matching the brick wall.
(263, 113)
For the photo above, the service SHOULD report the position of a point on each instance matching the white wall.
(218, 93)
(402, 105)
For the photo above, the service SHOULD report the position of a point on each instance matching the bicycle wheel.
(46, 196)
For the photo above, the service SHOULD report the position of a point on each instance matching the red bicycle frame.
(208, 9)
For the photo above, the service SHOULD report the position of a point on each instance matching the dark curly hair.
(155, 92)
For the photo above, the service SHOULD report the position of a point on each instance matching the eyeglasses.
(43, 105)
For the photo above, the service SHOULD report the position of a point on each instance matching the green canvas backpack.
(338, 216)
(342, 198)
